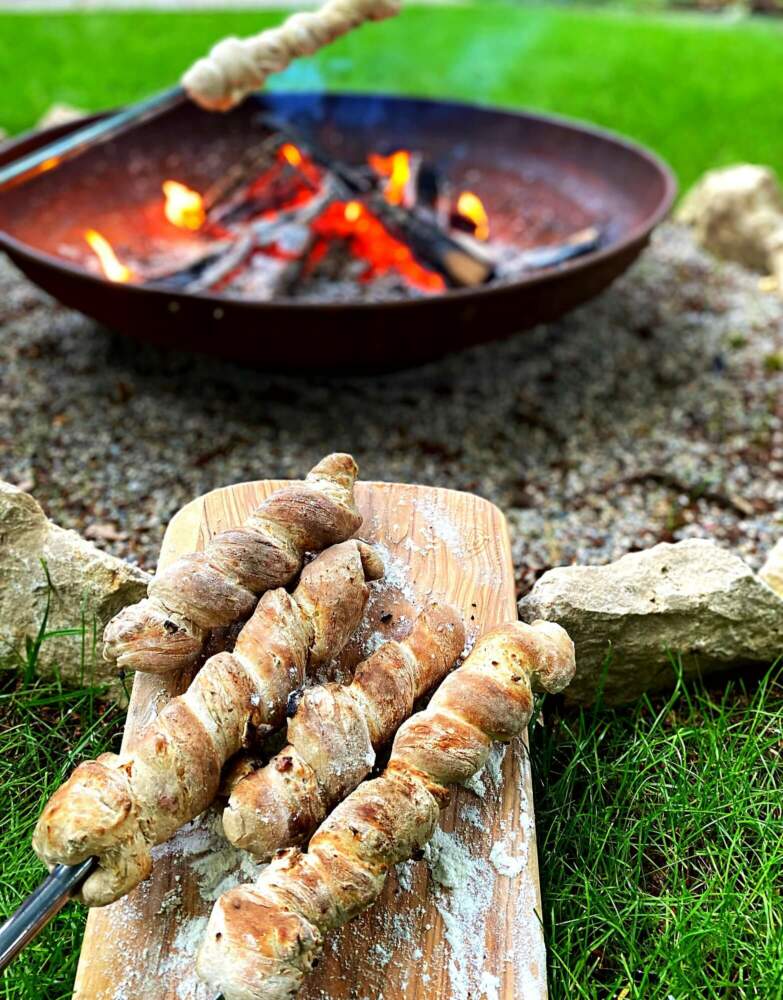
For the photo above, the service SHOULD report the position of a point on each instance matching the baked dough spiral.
(263, 939)
(117, 807)
(220, 585)
(235, 67)
(333, 734)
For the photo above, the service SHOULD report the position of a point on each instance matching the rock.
(59, 114)
(772, 570)
(737, 214)
(87, 585)
(692, 598)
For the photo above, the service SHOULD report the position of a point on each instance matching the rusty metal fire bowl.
(540, 178)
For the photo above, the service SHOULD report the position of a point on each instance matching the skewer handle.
(39, 908)
(54, 153)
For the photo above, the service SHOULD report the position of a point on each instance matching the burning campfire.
(419, 227)
(287, 221)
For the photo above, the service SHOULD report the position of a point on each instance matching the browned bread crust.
(206, 590)
(333, 735)
(117, 807)
(262, 939)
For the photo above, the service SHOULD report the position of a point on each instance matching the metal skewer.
(88, 136)
(39, 908)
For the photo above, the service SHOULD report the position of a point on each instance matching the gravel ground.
(654, 413)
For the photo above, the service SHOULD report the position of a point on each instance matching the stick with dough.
(263, 939)
(118, 807)
(333, 734)
(220, 586)
(235, 67)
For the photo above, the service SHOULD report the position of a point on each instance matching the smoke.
(301, 75)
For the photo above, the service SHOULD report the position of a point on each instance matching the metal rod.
(55, 153)
(39, 908)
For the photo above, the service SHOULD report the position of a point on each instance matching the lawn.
(703, 91)
(44, 733)
(660, 832)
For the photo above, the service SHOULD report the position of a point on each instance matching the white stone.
(772, 570)
(87, 585)
(692, 598)
(737, 213)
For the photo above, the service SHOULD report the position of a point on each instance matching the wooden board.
(482, 936)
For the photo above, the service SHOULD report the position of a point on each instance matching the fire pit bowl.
(522, 165)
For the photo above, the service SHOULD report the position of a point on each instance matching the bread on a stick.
(117, 807)
(333, 735)
(221, 584)
(235, 66)
(263, 939)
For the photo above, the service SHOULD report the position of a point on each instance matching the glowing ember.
(397, 168)
(369, 240)
(345, 241)
(111, 267)
(184, 208)
(471, 207)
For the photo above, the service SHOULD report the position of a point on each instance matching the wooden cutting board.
(463, 923)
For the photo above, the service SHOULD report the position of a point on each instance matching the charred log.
(459, 262)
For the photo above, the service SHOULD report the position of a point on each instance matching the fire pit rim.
(33, 139)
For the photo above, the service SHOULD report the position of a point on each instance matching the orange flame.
(184, 208)
(111, 267)
(397, 168)
(291, 154)
(294, 157)
(471, 207)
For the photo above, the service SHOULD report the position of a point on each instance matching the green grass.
(45, 731)
(661, 845)
(660, 838)
(701, 91)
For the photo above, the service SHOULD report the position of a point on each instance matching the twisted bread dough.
(333, 734)
(261, 940)
(115, 808)
(235, 67)
(220, 586)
